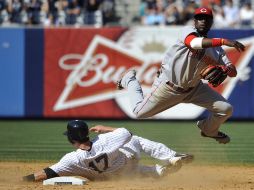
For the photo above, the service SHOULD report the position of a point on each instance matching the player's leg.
(132, 151)
(159, 99)
(172, 160)
(161, 152)
(134, 90)
(154, 171)
(154, 149)
(220, 110)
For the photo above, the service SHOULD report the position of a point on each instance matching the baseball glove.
(215, 74)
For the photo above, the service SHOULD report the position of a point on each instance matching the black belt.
(177, 88)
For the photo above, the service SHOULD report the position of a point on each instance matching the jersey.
(102, 159)
(182, 65)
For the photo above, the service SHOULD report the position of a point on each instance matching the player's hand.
(96, 129)
(237, 45)
(101, 129)
(229, 69)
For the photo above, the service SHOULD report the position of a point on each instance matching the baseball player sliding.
(194, 56)
(114, 153)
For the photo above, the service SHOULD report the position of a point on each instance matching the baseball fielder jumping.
(114, 153)
(193, 57)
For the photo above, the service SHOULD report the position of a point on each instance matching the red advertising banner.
(64, 52)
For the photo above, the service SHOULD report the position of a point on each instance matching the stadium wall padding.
(12, 72)
(34, 59)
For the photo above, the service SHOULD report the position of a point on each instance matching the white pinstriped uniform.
(111, 154)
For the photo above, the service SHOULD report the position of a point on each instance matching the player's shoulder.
(116, 135)
(70, 157)
(116, 132)
(99, 140)
(72, 154)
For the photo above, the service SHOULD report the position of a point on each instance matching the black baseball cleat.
(222, 138)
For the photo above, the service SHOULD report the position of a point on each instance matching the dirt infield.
(188, 178)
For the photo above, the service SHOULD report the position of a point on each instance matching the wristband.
(50, 173)
(217, 42)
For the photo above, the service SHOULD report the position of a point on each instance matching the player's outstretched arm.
(196, 42)
(46, 173)
(102, 129)
(213, 42)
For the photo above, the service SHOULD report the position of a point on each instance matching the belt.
(177, 88)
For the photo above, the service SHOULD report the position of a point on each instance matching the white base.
(64, 181)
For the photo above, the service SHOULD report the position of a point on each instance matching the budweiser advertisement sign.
(83, 65)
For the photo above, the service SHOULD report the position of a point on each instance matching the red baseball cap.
(203, 11)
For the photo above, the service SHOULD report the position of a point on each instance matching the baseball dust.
(190, 177)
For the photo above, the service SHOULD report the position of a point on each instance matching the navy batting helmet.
(77, 130)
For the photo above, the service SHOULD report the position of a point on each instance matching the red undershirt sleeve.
(188, 40)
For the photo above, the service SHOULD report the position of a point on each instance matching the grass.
(43, 140)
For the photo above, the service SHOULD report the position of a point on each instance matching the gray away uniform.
(180, 82)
